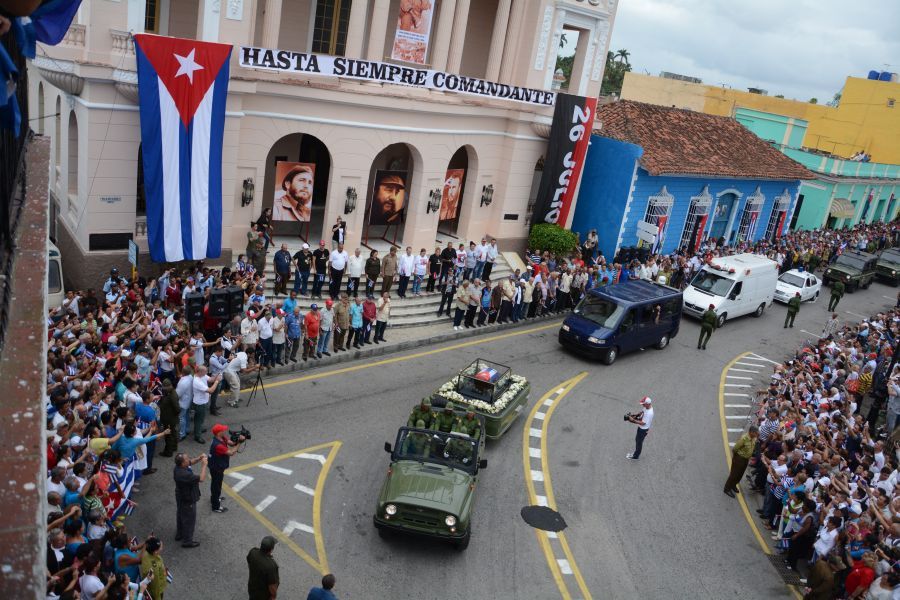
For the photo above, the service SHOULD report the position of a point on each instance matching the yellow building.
(867, 119)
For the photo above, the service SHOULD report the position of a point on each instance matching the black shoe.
(221, 509)
(327, 353)
(735, 491)
(729, 493)
(294, 360)
(199, 440)
(214, 412)
(190, 544)
(177, 538)
(376, 341)
(318, 355)
(704, 348)
(165, 454)
(759, 511)
(698, 346)
(305, 359)
(148, 471)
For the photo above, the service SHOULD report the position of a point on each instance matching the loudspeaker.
(235, 299)
(219, 301)
(193, 307)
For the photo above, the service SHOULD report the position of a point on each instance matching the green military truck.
(430, 485)
(888, 266)
(855, 269)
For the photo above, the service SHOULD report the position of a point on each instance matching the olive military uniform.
(837, 292)
(708, 323)
(469, 425)
(793, 308)
(421, 412)
(445, 421)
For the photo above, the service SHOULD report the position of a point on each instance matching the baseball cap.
(646, 400)
(394, 180)
(329, 303)
(251, 314)
(314, 306)
(75, 441)
(305, 246)
(321, 242)
(279, 312)
(219, 428)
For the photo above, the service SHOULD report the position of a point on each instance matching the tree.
(616, 66)
(813, 100)
(779, 95)
(622, 56)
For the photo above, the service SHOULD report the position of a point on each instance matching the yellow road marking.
(567, 386)
(320, 563)
(740, 497)
(396, 359)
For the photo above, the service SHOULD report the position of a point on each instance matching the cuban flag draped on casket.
(182, 87)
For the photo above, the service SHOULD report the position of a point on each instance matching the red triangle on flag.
(186, 67)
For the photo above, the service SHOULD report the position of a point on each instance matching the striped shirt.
(767, 429)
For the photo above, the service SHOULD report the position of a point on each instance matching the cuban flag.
(182, 86)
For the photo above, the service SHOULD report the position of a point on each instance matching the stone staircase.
(405, 312)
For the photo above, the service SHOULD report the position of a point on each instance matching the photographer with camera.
(643, 420)
(223, 447)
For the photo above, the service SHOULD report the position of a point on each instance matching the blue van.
(621, 318)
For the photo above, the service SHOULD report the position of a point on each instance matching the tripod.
(258, 385)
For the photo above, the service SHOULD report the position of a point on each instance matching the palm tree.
(622, 56)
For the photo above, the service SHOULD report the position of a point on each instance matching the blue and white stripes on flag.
(182, 88)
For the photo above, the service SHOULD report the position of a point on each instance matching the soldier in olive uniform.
(445, 421)
(793, 309)
(708, 323)
(421, 412)
(837, 292)
(417, 443)
(469, 425)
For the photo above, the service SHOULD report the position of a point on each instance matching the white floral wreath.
(448, 391)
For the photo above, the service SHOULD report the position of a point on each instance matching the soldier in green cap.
(793, 309)
(417, 443)
(445, 421)
(708, 323)
(837, 292)
(469, 425)
(423, 412)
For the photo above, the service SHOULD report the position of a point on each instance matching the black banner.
(573, 120)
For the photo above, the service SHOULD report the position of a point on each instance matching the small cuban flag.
(182, 87)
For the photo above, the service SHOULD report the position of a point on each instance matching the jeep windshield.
(792, 279)
(851, 261)
(712, 283)
(456, 450)
(891, 256)
(599, 310)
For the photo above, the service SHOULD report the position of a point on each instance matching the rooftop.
(684, 142)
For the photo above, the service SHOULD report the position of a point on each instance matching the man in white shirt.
(355, 266)
(490, 253)
(250, 331)
(217, 364)
(337, 262)
(236, 366)
(265, 339)
(644, 420)
(481, 254)
(202, 386)
(405, 267)
(185, 392)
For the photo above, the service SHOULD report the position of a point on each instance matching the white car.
(794, 281)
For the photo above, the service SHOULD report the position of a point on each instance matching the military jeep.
(888, 266)
(430, 485)
(855, 269)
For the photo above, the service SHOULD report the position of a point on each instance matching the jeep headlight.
(390, 510)
(847, 277)
(893, 272)
(565, 327)
(450, 521)
(594, 340)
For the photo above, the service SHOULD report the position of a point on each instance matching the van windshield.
(712, 283)
(600, 311)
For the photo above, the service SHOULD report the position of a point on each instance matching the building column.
(378, 29)
(458, 36)
(271, 23)
(511, 45)
(498, 41)
(357, 28)
(442, 36)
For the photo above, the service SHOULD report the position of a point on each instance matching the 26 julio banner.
(573, 120)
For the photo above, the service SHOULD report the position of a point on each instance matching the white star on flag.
(188, 66)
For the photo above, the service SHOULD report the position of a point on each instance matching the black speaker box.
(193, 307)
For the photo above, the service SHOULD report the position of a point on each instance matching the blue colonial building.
(671, 178)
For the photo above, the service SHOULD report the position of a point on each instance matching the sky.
(799, 48)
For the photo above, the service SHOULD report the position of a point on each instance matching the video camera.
(629, 416)
(235, 435)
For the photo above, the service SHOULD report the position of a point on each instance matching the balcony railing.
(122, 42)
(140, 227)
(74, 36)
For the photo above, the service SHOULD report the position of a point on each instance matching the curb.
(381, 350)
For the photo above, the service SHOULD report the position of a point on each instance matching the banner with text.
(370, 70)
(573, 121)
(413, 31)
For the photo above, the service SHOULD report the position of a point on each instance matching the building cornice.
(60, 73)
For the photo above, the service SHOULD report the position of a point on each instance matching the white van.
(736, 285)
(55, 290)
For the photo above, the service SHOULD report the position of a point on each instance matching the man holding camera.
(221, 450)
(643, 420)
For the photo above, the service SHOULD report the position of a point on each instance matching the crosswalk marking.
(734, 430)
(275, 469)
(265, 503)
(564, 566)
(537, 475)
(534, 432)
(304, 489)
(317, 457)
(294, 525)
(534, 452)
(539, 416)
(738, 385)
(735, 417)
(243, 481)
(541, 500)
(737, 406)
(741, 395)
(739, 377)
(747, 364)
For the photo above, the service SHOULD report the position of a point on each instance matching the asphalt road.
(656, 528)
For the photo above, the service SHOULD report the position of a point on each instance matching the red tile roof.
(684, 142)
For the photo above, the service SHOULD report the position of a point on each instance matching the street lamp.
(350, 203)
(434, 201)
(247, 193)
(487, 195)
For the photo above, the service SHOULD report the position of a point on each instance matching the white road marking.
(539, 416)
(275, 469)
(850, 312)
(293, 525)
(817, 335)
(739, 377)
(537, 475)
(243, 481)
(735, 416)
(757, 356)
(304, 489)
(888, 297)
(317, 457)
(734, 430)
(731, 444)
(738, 395)
(534, 432)
(560, 391)
(534, 452)
(541, 500)
(746, 364)
(737, 406)
(548, 402)
(552, 534)
(744, 370)
(741, 385)
(564, 567)
(265, 503)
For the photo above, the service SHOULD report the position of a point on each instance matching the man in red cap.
(643, 420)
(220, 452)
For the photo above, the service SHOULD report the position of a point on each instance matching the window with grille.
(782, 203)
(750, 217)
(699, 208)
(330, 27)
(658, 208)
(151, 16)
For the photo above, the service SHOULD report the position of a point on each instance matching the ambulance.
(738, 285)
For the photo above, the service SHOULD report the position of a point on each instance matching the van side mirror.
(482, 464)
(733, 296)
(387, 447)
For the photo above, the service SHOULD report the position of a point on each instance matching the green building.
(845, 192)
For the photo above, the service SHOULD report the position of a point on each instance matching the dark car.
(855, 269)
(888, 266)
(621, 318)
